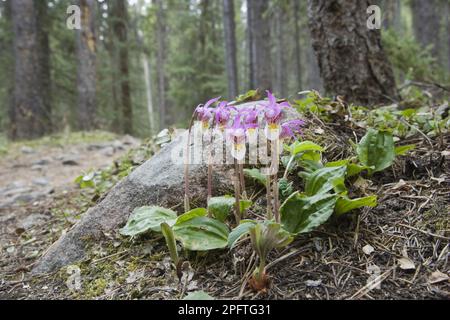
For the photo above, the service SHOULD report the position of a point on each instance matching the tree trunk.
(229, 26)
(351, 59)
(43, 28)
(426, 23)
(260, 31)
(86, 71)
(121, 31)
(30, 118)
(280, 51)
(145, 62)
(161, 62)
(298, 52)
(250, 47)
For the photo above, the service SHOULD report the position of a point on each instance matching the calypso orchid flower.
(237, 138)
(250, 121)
(205, 113)
(222, 115)
(273, 114)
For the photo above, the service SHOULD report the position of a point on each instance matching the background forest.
(154, 61)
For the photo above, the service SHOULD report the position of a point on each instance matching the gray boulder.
(159, 181)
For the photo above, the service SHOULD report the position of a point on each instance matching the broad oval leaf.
(344, 204)
(147, 218)
(256, 175)
(201, 234)
(298, 147)
(220, 207)
(376, 149)
(325, 179)
(301, 214)
(241, 230)
(194, 213)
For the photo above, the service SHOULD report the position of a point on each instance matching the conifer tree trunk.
(352, 61)
(230, 48)
(86, 66)
(30, 115)
(121, 23)
(260, 35)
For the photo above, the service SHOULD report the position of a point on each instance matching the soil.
(398, 250)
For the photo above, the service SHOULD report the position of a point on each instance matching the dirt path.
(33, 173)
(39, 199)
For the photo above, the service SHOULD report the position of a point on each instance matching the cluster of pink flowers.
(242, 123)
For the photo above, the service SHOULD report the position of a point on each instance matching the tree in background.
(121, 24)
(86, 43)
(427, 16)
(351, 59)
(161, 51)
(31, 115)
(229, 26)
(260, 56)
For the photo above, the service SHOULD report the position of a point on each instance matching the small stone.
(41, 182)
(27, 150)
(368, 249)
(41, 162)
(313, 283)
(32, 221)
(109, 151)
(70, 161)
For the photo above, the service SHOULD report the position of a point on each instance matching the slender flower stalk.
(203, 114)
(237, 192)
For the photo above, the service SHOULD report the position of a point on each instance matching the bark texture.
(260, 36)
(86, 71)
(426, 23)
(121, 24)
(161, 63)
(30, 117)
(352, 61)
(229, 26)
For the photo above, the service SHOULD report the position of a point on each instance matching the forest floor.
(398, 250)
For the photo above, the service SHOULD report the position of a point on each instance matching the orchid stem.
(269, 198)
(186, 166)
(242, 180)
(237, 192)
(209, 181)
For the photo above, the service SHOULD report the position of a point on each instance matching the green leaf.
(324, 180)
(376, 149)
(201, 233)
(268, 235)
(353, 169)
(194, 213)
(298, 147)
(344, 204)
(245, 205)
(220, 207)
(144, 219)
(241, 230)
(170, 241)
(402, 150)
(198, 295)
(256, 175)
(301, 214)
